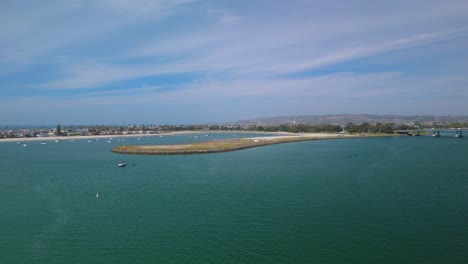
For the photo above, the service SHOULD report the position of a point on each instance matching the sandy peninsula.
(224, 145)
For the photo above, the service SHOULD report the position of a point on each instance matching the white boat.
(43, 143)
(90, 141)
(97, 195)
(24, 145)
(56, 141)
(121, 164)
(108, 141)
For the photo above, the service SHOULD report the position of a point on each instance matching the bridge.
(455, 132)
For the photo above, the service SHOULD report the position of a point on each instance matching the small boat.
(97, 195)
(24, 145)
(108, 141)
(43, 143)
(56, 141)
(90, 141)
(121, 164)
(138, 138)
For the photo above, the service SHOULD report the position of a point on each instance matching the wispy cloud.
(86, 51)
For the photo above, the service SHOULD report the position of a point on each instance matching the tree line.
(386, 128)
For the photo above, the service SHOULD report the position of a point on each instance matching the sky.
(210, 61)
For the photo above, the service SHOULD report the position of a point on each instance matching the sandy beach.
(53, 138)
(300, 135)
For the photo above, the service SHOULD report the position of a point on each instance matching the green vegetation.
(387, 128)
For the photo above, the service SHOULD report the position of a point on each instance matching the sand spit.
(223, 145)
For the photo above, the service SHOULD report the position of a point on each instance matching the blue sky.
(197, 61)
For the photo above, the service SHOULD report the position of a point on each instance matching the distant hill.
(342, 119)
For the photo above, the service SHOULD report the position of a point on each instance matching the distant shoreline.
(28, 139)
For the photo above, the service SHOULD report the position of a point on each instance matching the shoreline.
(226, 145)
(28, 139)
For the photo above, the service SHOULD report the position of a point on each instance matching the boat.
(56, 141)
(108, 141)
(43, 143)
(121, 164)
(24, 145)
(90, 141)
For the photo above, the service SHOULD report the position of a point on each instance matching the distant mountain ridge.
(342, 119)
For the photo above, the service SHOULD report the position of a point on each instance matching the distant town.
(102, 130)
(294, 124)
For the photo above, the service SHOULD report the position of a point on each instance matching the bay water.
(365, 200)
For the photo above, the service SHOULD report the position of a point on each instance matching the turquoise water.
(371, 200)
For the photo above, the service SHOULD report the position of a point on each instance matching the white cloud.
(235, 51)
(240, 61)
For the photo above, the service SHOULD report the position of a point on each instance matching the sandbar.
(224, 145)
